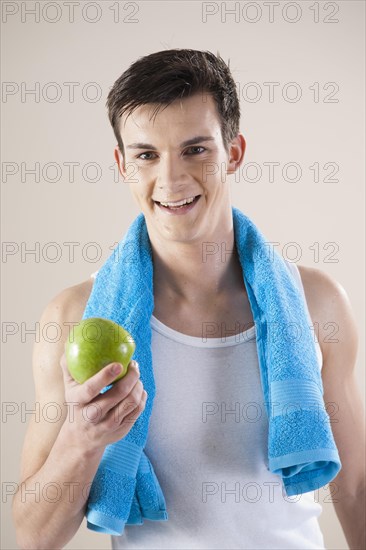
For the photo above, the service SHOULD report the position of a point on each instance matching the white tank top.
(207, 442)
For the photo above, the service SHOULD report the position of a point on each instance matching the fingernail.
(116, 369)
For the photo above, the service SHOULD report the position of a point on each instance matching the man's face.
(179, 154)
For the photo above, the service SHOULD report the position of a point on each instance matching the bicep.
(50, 406)
(342, 395)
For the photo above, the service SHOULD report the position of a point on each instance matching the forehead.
(197, 112)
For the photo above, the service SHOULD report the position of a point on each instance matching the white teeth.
(179, 203)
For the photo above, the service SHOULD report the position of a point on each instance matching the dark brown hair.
(162, 77)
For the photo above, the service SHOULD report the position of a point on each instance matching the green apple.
(93, 344)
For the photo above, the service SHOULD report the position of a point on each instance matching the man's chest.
(219, 319)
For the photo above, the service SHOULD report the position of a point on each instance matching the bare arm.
(330, 304)
(60, 459)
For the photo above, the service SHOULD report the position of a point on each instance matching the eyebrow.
(192, 141)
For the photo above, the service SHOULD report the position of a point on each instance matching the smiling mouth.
(196, 197)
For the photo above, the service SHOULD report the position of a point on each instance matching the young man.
(175, 115)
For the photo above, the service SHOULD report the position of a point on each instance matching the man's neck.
(197, 273)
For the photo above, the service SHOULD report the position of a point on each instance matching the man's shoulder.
(79, 292)
(320, 288)
(329, 307)
(71, 301)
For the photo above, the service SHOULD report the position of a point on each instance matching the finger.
(120, 389)
(92, 387)
(133, 415)
(126, 412)
(130, 403)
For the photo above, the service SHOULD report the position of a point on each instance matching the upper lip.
(178, 200)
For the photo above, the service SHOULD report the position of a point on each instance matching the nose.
(172, 176)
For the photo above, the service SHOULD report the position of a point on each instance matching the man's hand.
(95, 420)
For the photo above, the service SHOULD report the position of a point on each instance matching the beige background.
(84, 212)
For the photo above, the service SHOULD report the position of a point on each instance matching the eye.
(195, 147)
(144, 158)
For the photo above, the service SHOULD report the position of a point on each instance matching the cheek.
(144, 185)
(211, 172)
(144, 194)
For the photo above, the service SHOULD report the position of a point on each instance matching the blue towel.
(301, 447)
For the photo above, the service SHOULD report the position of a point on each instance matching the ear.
(120, 162)
(236, 153)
